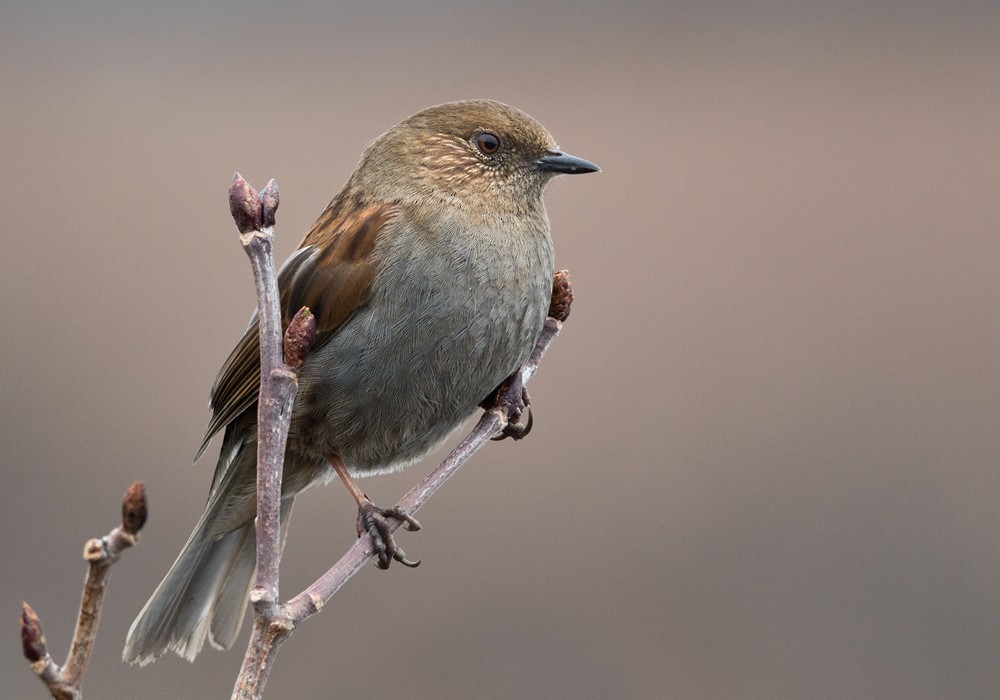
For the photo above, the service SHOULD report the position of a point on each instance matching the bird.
(429, 275)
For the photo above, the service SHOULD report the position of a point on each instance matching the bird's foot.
(375, 521)
(512, 398)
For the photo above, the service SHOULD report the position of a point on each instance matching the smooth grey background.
(765, 457)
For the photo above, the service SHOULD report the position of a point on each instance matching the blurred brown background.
(766, 461)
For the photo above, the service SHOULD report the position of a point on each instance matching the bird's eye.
(488, 143)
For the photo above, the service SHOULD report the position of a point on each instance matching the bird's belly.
(392, 385)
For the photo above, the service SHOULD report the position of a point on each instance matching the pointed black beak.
(559, 162)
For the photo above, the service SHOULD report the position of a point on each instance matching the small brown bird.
(430, 276)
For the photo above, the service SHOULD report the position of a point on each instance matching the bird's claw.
(375, 521)
(515, 429)
(512, 398)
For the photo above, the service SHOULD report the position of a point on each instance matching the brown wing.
(331, 273)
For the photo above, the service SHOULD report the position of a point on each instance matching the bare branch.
(65, 682)
(278, 384)
(255, 217)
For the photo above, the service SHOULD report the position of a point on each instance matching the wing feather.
(332, 273)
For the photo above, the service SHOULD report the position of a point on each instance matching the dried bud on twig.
(245, 205)
(32, 637)
(269, 203)
(562, 296)
(134, 508)
(299, 337)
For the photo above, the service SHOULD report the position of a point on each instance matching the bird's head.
(475, 155)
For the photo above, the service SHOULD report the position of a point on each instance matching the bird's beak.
(559, 162)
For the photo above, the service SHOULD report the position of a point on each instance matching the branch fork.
(65, 682)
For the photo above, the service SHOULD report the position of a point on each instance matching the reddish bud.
(562, 296)
(299, 337)
(269, 203)
(32, 637)
(134, 508)
(245, 205)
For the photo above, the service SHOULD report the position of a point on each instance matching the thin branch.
(278, 383)
(65, 682)
(269, 628)
(255, 217)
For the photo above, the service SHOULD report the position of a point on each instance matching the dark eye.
(488, 143)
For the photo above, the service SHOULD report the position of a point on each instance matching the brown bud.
(32, 637)
(562, 296)
(244, 205)
(134, 508)
(269, 203)
(299, 337)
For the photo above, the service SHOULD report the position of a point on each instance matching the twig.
(255, 216)
(65, 682)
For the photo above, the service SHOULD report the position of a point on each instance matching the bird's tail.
(203, 596)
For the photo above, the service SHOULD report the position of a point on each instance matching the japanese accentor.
(430, 276)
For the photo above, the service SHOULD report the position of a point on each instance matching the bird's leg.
(513, 397)
(374, 520)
